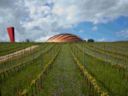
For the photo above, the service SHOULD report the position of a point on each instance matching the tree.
(27, 40)
(91, 40)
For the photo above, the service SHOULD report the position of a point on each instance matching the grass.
(108, 77)
(7, 48)
(64, 77)
(16, 82)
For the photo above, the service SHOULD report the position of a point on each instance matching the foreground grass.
(21, 80)
(112, 79)
(18, 81)
(64, 78)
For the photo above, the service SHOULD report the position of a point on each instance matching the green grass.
(7, 48)
(19, 81)
(63, 77)
(16, 82)
(109, 77)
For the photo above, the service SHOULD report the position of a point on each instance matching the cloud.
(95, 28)
(37, 19)
(44, 38)
(102, 39)
(123, 33)
(81, 31)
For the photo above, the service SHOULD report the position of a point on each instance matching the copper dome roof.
(65, 37)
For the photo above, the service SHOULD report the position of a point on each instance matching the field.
(65, 69)
(7, 48)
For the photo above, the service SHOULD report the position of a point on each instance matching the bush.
(90, 40)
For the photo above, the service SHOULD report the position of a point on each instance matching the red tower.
(11, 34)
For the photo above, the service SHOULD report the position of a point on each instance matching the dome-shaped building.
(65, 37)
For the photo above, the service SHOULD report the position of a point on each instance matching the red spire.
(11, 34)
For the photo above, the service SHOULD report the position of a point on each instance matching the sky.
(38, 20)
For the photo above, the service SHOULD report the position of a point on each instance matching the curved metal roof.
(65, 37)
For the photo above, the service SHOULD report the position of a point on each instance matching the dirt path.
(17, 53)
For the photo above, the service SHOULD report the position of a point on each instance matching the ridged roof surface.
(65, 37)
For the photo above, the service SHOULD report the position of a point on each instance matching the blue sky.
(111, 31)
(38, 20)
